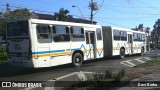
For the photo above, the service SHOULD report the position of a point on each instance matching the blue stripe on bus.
(63, 50)
(44, 52)
(75, 49)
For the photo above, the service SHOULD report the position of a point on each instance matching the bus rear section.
(120, 42)
(19, 44)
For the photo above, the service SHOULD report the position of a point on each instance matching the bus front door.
(130, 43)
(90, 45)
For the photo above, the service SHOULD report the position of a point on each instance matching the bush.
(99, 78)
(117, 75)
(108, 74)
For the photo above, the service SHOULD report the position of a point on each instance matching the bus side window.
(123, 35)
(139, 37)
(61, 33)
(116, 34)
(134, 37)
(54, 29)
(143, 37)
(43, 33)
(77, 33)
(99, 34)
(87, 38)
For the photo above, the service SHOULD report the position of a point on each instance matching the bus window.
(19, 28)
(138, 37)
(134, 37)
(116, 34)
(143, 37)
(60, 33)
(87, 38)
(43, 33)
(129, 38)
(123, 36)
(99, 35)
(77, 34)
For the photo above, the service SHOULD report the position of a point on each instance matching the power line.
(113, 23)
(148, 5)
(129, 7)
(17, 7)
(128, 19)
(99, 7)
(131, 13)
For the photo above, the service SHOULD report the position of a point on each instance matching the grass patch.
(152, 61)
(3, 53)
(3, 57)
(3, 60)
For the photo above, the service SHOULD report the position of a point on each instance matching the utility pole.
(94, 7)
(7, 10)
(91, 11)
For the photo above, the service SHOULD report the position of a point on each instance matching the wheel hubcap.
(122, 52)
(77, 60)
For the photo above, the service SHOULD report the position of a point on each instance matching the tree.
(18, 14)
(12, 16)
(63, 15)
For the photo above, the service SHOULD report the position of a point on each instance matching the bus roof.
(41, 21)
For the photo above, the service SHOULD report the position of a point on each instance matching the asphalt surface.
(10, 73)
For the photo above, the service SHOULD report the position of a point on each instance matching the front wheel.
(122, 53)
(77, 60)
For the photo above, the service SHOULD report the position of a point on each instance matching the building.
(52, 17)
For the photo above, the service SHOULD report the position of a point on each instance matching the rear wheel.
(122, 53)
(77, 60)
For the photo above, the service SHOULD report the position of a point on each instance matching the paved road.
(8, 73)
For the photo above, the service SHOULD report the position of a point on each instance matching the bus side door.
(90, 44)
(130, 43)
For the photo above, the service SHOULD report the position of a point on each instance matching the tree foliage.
(17, 14)
(63, 15)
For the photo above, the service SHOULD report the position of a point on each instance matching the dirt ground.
(141, 70)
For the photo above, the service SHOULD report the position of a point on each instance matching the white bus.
(45, 43)
(120, 41)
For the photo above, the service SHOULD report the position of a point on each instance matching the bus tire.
(122, 53)
(77, 60)
(142, 51)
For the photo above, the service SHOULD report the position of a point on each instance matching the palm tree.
(63, 15)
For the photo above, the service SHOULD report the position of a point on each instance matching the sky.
(119, 13)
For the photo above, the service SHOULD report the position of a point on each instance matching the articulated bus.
(45, 43)
(120, 41)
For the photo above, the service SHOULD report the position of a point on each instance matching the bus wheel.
(77, 60)
(122, 53)
(142, 51)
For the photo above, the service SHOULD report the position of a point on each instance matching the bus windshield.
(19, 28)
